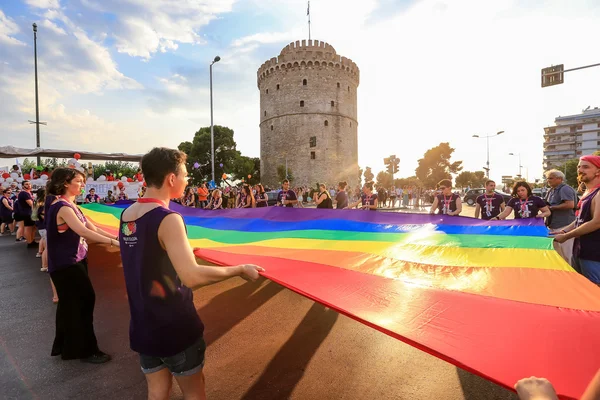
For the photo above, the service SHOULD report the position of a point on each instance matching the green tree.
(435, 165)
(199, 151)
(464, 179)
(368, 175)
(384, 179)
(281, 173)
(410, 181)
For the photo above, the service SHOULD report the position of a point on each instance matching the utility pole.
(212, 134)
(37, 104)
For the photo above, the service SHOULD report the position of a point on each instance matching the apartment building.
(571, 137)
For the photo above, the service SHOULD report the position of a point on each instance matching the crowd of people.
(168, 334)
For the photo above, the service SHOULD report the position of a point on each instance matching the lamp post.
(37, 107)
(212, 135)
(520, 166)
(487, 138)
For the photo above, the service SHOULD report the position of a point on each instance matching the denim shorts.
(590, 269)
(186, 363)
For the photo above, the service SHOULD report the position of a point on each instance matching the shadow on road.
(286, 369)
(477, 388)
(229, 308)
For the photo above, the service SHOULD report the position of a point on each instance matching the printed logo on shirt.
(128, 228)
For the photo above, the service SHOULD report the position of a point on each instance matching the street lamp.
(520, 166)
(488, 148)
(212, 135)
(37, 107)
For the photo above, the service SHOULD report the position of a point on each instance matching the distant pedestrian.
(341, 199)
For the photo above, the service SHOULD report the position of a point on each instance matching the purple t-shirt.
(490, 205)
(164, 321)
(67, 248)
(368, 199)
(24, 208)
(526, 208)
(446, 204)
(5, 212)
(586, 246)
(92, 198)
(286, 195)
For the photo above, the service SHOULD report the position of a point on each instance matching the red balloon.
(6, 175)
(129, 180)
(27, 176)
(120, 184)
(77, 156)
(144, 184)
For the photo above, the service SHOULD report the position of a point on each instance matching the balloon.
(9, 180)
(27, 176)
(249, 176)
(221, 165)
(72, 166)
(1, 179)
(6, 175)
(19, 179)
(14, 175)
(224, 176)
(90, 179)
(129, 180)
(123, 178)
(120, 184)
(71, 161)
(144, 184)
(196, 165)
(77, 156)
(44, 177)
(101, 178)
(120, 174)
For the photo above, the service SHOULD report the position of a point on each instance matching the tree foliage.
(281, 176)
(226, 153)
(368, 174)
(384, 179)
(360, 173)
(436, 165)
(470, 179)
(410, 181)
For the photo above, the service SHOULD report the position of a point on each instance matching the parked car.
(272, 197)
(471, 196)
(540, 192)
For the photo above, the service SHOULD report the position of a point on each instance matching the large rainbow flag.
(492, 298)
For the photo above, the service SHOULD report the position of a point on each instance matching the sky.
(128, 75)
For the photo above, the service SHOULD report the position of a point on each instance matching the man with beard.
(586, 227)
(490, 203)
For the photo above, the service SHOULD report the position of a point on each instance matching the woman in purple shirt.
(66, 233)
(160, 272)
(525, 204)
(6, 211)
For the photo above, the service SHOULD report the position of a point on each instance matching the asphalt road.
(265, 342)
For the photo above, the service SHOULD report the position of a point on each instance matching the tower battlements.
(314, 54)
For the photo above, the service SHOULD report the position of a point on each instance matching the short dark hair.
(60, 176)
(369, 185)
(285, 181)
(160, 162)
(489, 181)
(343, 184)
(25, 181)
(521, 184)
(110, 192)
(5, 190)
(445, 182)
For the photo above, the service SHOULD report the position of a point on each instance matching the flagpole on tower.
(308, 13)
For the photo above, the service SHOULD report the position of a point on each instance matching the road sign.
(553, 75)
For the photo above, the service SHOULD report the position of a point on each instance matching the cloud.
(43, 3)
(53, 27)
(7, 29)
(264, 38)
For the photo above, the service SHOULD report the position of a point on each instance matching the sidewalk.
(265, 342)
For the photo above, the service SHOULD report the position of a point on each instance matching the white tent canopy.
(15, 152)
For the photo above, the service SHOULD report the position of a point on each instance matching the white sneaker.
(38, 255)
(44, 269)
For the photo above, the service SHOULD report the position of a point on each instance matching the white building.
(571, 137)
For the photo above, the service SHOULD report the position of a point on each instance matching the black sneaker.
(22, 238)
(32, 244)
(98, 358)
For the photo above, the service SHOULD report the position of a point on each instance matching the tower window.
(326, 123)
(304, 82)
(313, 141)
(312, 155)
(278, 86)
(267, 91)
(348, 88)
(265, 113)
(271, 127)
(301, 103)
(338, 85)
(332, 103)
